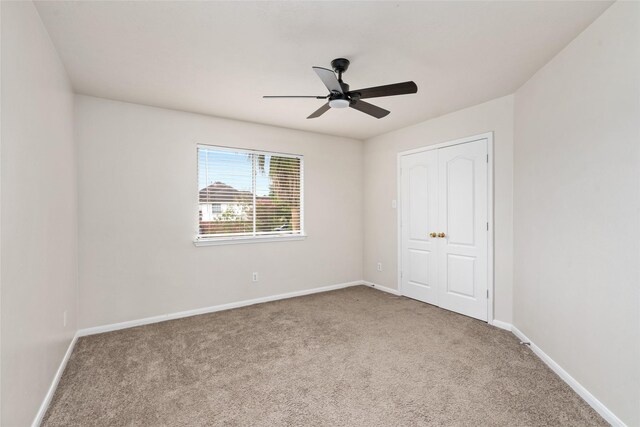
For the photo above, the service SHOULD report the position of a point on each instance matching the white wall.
(380, 188)
(134, 160)
(577, 209)
(39, 251)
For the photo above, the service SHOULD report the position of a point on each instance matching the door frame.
(490, 237)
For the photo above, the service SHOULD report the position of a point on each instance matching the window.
(245, 194)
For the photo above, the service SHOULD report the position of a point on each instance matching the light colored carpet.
(356, 357)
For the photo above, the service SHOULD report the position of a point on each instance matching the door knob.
(442, 235)
(433, 235)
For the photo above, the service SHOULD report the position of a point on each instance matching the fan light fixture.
(339, 103)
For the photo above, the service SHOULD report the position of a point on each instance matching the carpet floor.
(351, 357)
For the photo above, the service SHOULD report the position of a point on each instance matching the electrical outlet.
(379, 266)
(64, 318)
(254, 277)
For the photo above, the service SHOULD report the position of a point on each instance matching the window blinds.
(244, 193)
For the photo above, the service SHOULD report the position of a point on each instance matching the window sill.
(239, 240)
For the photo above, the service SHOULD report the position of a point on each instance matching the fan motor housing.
(338, 95)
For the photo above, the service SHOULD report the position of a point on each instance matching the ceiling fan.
(341, 97)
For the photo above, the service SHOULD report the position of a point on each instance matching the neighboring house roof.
(221, 193)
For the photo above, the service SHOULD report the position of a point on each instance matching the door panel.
(419, 261)
(460, 198)
(419, 175)
(462, 216)
(460, 272)
(418, 223)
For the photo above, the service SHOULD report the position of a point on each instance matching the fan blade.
(320, 111)
(387, 90)
(294, 96)
(329, 79)
(369, 109)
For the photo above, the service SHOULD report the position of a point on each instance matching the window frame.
(255, 237)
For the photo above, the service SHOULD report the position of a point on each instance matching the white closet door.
(462, 217)
(419, 198)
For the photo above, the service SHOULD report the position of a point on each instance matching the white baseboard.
(211, 309)
(54, 384)
(599, 407)
(502, 325)
(382, 288)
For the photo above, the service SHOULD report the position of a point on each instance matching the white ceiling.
(219, 58)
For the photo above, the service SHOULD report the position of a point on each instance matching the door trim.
(490, 238)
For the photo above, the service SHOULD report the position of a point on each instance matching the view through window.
(244, 193)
